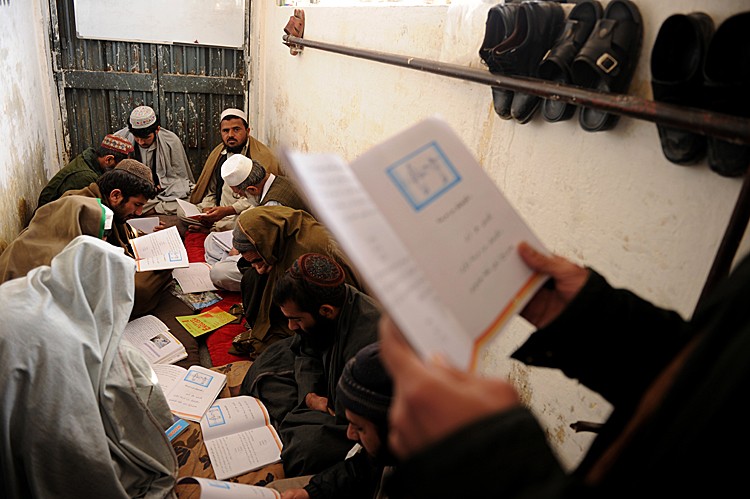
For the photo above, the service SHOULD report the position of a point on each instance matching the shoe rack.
(712, 124)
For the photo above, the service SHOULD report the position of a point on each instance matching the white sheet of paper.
(195, 278)
(145, 224)
(224, 238)
(430, 232)
(160, 250)
(191, 211)
(219, 489)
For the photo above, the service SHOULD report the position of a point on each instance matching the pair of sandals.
(695, 66)
(598, 49)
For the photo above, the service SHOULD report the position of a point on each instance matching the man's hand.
(567, 279)
(159, 227)
(317, 403)
(233, 252)
(431, 401)
(295, 494)
(216, 213)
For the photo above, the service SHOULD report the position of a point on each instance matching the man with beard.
(211, 194)
(364, 390)
(296, 377)
(125, 190)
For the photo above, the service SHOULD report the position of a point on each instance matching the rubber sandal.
(607, 60)
(677, 78)
(556, 63)
(727, 80)
(501, 21)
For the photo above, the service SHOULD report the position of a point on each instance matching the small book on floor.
(239, 437)
(160, 250)
(216, 489)
(152, 337)
(189, 392)
(430, 232)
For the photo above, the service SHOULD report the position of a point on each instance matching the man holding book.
(248, 179)
(296, 377)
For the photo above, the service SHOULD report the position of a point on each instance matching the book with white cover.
(160, 250)
(189, 392)
(144, 225)
(239, 437)
(190, 210)
(195, 278)
(431, 233)
(152, 337)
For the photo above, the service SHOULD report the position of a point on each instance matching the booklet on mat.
(152, 337)
(239, 437)
(159, 250)
(216, 489)
(195, 278)
(189, 392)
(431, 233)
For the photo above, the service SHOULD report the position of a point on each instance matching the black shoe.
(501, 21)
(556, 63)
(677, 78)
(607, 60)
(727, 81)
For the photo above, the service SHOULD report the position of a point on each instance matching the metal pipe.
(726, 127)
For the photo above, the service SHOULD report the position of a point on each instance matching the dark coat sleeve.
(609, 339)
(353, 478)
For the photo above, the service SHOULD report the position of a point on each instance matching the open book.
(159, 250)
(195, 278)
(216, 489)
(145, 225)
(189, 392)
(239, 437)
(190, 210)
(152, 337)
(431, 233)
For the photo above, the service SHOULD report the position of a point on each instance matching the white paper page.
(145, 225)
(217, 489)
(191, 211)
(456, 222)
(195, 278)
(168, 376)
(191, 393)
(378, 254)
(160, 250)
(152, 337)
(227, 416)
(224, 238)
(448, 274)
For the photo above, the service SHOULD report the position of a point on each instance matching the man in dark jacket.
(677, 388)
(86, 168)
(296, 377)
(365, 391)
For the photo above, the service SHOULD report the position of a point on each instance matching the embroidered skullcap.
(136, 168)
(236, 169)
(240, 241)
(233, 112)
(117, 144)
(142, 117)
(318, 270)
(365, 387)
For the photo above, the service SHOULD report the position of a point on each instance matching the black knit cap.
(365, 387)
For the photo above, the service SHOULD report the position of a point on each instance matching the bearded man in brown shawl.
(270, 239)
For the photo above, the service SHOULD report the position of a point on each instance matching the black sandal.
(608, 59)
(556, 63)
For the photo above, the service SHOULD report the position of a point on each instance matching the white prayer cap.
(236, 169)
(142, 117)
(233, 112)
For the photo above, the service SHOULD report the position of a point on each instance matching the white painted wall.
(609, 200)
(29, 127)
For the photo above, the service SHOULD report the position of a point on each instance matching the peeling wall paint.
(27, 123)
(609, 200)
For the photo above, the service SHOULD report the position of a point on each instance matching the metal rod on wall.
(730, 128)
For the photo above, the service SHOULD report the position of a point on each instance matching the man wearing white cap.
(249, 179)
(211, 194)
(162, 151)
